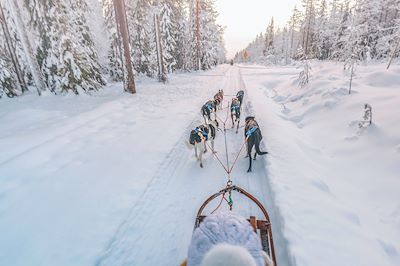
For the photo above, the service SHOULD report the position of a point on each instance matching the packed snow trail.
(159, 228)
(72, 167)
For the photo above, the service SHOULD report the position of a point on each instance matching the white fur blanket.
(225, 227)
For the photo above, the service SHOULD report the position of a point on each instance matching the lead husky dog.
(219, 98)
(235, 113)
(199, 136)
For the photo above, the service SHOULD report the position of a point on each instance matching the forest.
(347, 31)
(74, 45)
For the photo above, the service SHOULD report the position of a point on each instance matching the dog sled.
(261, 226)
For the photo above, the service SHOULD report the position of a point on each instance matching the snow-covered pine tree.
(308, 27)
(169, 32)
(78, 57)
(8, 80)
(322, 43)
(305, 73)
(367, 27)
(65, 50)
(182, 37)
(269, 38)
(294, 28)
(141, 29)
(389, 21)
(115, 55)
(195, 34)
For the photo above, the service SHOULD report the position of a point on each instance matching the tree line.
(337, 30)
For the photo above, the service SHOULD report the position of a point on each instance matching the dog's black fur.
(253, 140)
(207, 112)
(240, 95)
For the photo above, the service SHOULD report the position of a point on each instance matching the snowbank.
(337, 185)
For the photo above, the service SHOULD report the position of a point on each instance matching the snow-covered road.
(108, 180)
(159, 227)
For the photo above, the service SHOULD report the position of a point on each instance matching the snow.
(336, 185)
(107, 179)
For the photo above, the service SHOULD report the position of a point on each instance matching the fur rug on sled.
(226, 239)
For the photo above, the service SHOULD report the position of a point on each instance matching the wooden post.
(12, 50)
(122, 25)
(160, 58)
(198, 34)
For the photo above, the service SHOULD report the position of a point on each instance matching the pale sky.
(244, 19)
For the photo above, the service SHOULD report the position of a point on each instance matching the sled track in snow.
(176, 157)
(159, 226)
(171, 163)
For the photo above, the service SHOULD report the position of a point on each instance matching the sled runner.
(261, 227)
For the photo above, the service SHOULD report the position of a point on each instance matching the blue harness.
(251, 131)
(209, 106)
(203, 132)
(234, 107)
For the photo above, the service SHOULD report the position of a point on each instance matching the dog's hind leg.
(249, 148)
(257, 146)
(201, 158)
(205, 147)
(195, 151)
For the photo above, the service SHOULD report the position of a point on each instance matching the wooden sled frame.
(263, 226)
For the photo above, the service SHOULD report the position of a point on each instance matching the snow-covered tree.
(141, 29)
(65, 50)
(115, 55)
(211, 33)
(269, 38)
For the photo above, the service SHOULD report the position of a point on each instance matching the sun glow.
(245, 19)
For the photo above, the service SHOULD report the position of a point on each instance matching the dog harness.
(202, 133)
(235, 106)
(209, 106)
(251, 131)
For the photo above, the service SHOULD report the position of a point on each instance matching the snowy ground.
(108, 180)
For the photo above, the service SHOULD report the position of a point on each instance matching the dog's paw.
(201, 165)
(249, 171)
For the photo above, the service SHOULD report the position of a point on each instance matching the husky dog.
(239, 96)
(253, 135)
(219, 97)
(199, 136)
(235, 113)
(208, 108)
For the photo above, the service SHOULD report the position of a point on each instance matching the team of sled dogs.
(205, 133)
